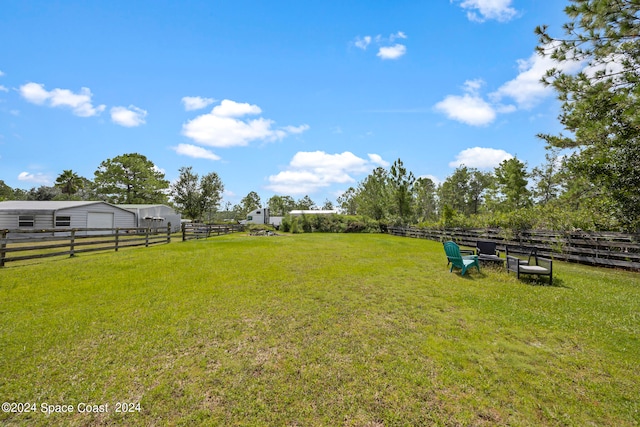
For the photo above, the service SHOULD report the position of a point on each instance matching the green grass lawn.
(315, 330)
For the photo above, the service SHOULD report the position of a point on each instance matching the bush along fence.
(202, 231)
(21, 244)
(602, 249)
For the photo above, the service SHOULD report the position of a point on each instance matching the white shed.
(40, 215)
(156, 217)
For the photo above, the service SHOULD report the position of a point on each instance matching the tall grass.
(315, 330)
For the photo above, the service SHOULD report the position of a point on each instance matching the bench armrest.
(544, 262)
(513, 263)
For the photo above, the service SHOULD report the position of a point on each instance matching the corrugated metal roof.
(313, 211)
(141, 206)
(50, 206)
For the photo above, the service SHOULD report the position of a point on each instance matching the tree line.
(550, 196)
(131, 179)
(134, 179)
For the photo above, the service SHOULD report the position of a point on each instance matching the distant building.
(155, 216)
(300, 212)
(40, 215)
(263, 216)
(45, 215)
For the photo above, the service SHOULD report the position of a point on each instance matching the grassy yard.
(314, 330)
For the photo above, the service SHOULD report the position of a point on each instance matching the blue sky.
(280, 97)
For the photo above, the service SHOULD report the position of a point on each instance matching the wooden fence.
(603, 249)
(201, 231)
(21, 244)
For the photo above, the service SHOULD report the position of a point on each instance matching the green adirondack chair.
(457, 260)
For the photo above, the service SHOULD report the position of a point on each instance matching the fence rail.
(192, 231)
(21, 244)
(604, 249)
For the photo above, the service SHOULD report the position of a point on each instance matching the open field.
(314, 330)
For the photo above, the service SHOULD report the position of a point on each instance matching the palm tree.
(69, 182)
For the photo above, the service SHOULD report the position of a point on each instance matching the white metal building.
(156, 217)
(263, 216)
(26, 214)
(300, 212)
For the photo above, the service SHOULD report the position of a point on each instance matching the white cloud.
(481, 158)
(37, 178)
(483, 10)
(310, 171)
(216, 131)
(319, 161)
(398, 35)
(296, 129)
(34, 93)
(611, 65)
(131, 116)
(362, 42)
(376, 159)
(526, 89)
(196, 102)
(385, 48)
(473, 86)
(195, 152)
(80, 103)
(224, 126)
(469, 109)
(3, 88)
(296, 182)
(228, 108)
(392, 52)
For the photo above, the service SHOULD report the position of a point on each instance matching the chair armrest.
(468, 254)
(513, 263)
(544, 262)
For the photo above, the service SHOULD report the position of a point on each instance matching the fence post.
(3, 246)
(169, 233)
(146, 238)
(72, 243)
(117, 241)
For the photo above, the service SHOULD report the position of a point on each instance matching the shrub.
(305, 223)
(332, 224)
(285, 226)
(295, 228)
